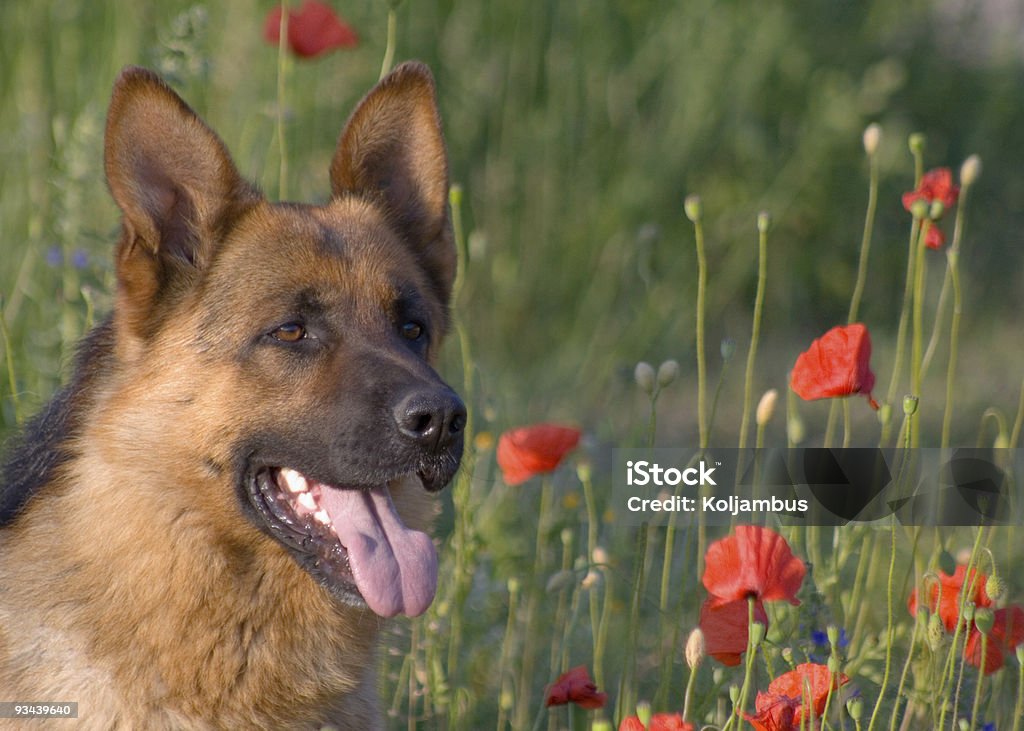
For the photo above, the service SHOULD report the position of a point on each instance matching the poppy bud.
(995, 587)
(600, 556)
(885, 414)
(855, 707)
(936, 633)
(919, 209)
(910, 405)
(734, 694)
(984, 618)
(583, 470)
(787, 655)
(969, 611)
(832, 632)
(728, 349)
(692, 208)
(513, 585)
(916, 143)
(455, 195)
(872, 136)
(795, 429)
(668, 372)
(766, 407)
(970, 170)
(643, 712)
(936, 210)
(645, 377)
(695, 649)
(764, 222)
(757, 632)
(566, 536)
(947, 563)
(963, 725)
(559, 580)
(601, 724)
(592, 579)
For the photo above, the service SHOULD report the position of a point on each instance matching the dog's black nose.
(432, 418)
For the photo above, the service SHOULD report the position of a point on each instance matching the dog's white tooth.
(294, 481)
(306, 500)
(321, 516)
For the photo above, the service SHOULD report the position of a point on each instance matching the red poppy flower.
(782, 707)
(725, 627)
(935, 185)
(313, 29)
(836, 364)
(575, 686)
(934, 238)
(756, 562)
(659, 722)
(533, 450)
(1007, 629)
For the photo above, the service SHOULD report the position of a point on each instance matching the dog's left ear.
(392, 150)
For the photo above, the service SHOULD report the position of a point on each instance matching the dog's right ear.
(175, 184)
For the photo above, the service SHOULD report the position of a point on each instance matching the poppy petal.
(725, 627)
(533, 450)
(836, 364)
(753, 561)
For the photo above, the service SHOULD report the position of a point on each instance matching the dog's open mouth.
(352, 540)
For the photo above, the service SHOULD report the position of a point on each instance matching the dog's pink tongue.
(395, 567)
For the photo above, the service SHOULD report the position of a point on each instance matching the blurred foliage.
(577, 129)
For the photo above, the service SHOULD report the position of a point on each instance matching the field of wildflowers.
(585, 246)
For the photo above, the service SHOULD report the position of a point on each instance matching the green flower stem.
(627, 689)
(890, 628)
(976, 706)
(865, 241)
(282, 73)
(1018, 420)
(510, 623)
(389, 49)
(954, 333)
(702, 280)
(561, 620)
(918, 334)
(901, 333)
(966, 590)
(592, 527)
(12, 380)
(748, 381)
(903, 676)
(960, 678)
(748, 671)
(947, 283)
(688, 695)
(1018, 708)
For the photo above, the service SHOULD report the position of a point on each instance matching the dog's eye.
(293, 332)
(412, 330)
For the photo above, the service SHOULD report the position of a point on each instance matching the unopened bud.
(692, 207)
(885, 414)
(766, 407)
(455, 195)
(910, 405)
(592, 579)
(855, 707)
(600, 556)
(1001, 441)
(919, 209)
(795, 429)
(936, 210)
(566, 536)
(969, 611)
(728, 349)
(995, 587)
(757, 632)
(668, 372)
(513, 585)
(963, 724)
(645, 377)
(734, 694)
(916, 143)
(643, 712)
(970, 170)
(832, 632)
(764, 222)
(787, 655)
(872, 136)
(936, 633)
(695, 650)
(559, 580)
(984, 618)
(601, 724)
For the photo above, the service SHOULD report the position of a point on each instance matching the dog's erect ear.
(392, 149)
(174, 182)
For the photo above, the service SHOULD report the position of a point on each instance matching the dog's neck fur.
(252, 635)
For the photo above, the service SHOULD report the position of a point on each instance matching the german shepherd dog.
(205, 528)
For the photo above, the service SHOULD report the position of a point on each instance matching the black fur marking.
(41, 448)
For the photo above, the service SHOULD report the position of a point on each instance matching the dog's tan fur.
(129, 582)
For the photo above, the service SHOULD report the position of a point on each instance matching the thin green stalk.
(901, 333)
(688, 695)
(737, 711)
(976, 706)
(702, 280)
(890, 628)
(1019, 420)
(918, 333)
(12, 380)
(282, 70)
(865, 241)
(510, 623)
(959, 681)
(627, 697)
(954, 333)
(389, 49)
(1018, 707)
(762, 279)
(592, 527)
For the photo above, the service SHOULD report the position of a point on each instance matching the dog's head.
(290, 347)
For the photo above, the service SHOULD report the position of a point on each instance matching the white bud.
(970, 170)
(766, 406)
(872, 136)
(668, 372)
(645, 377)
